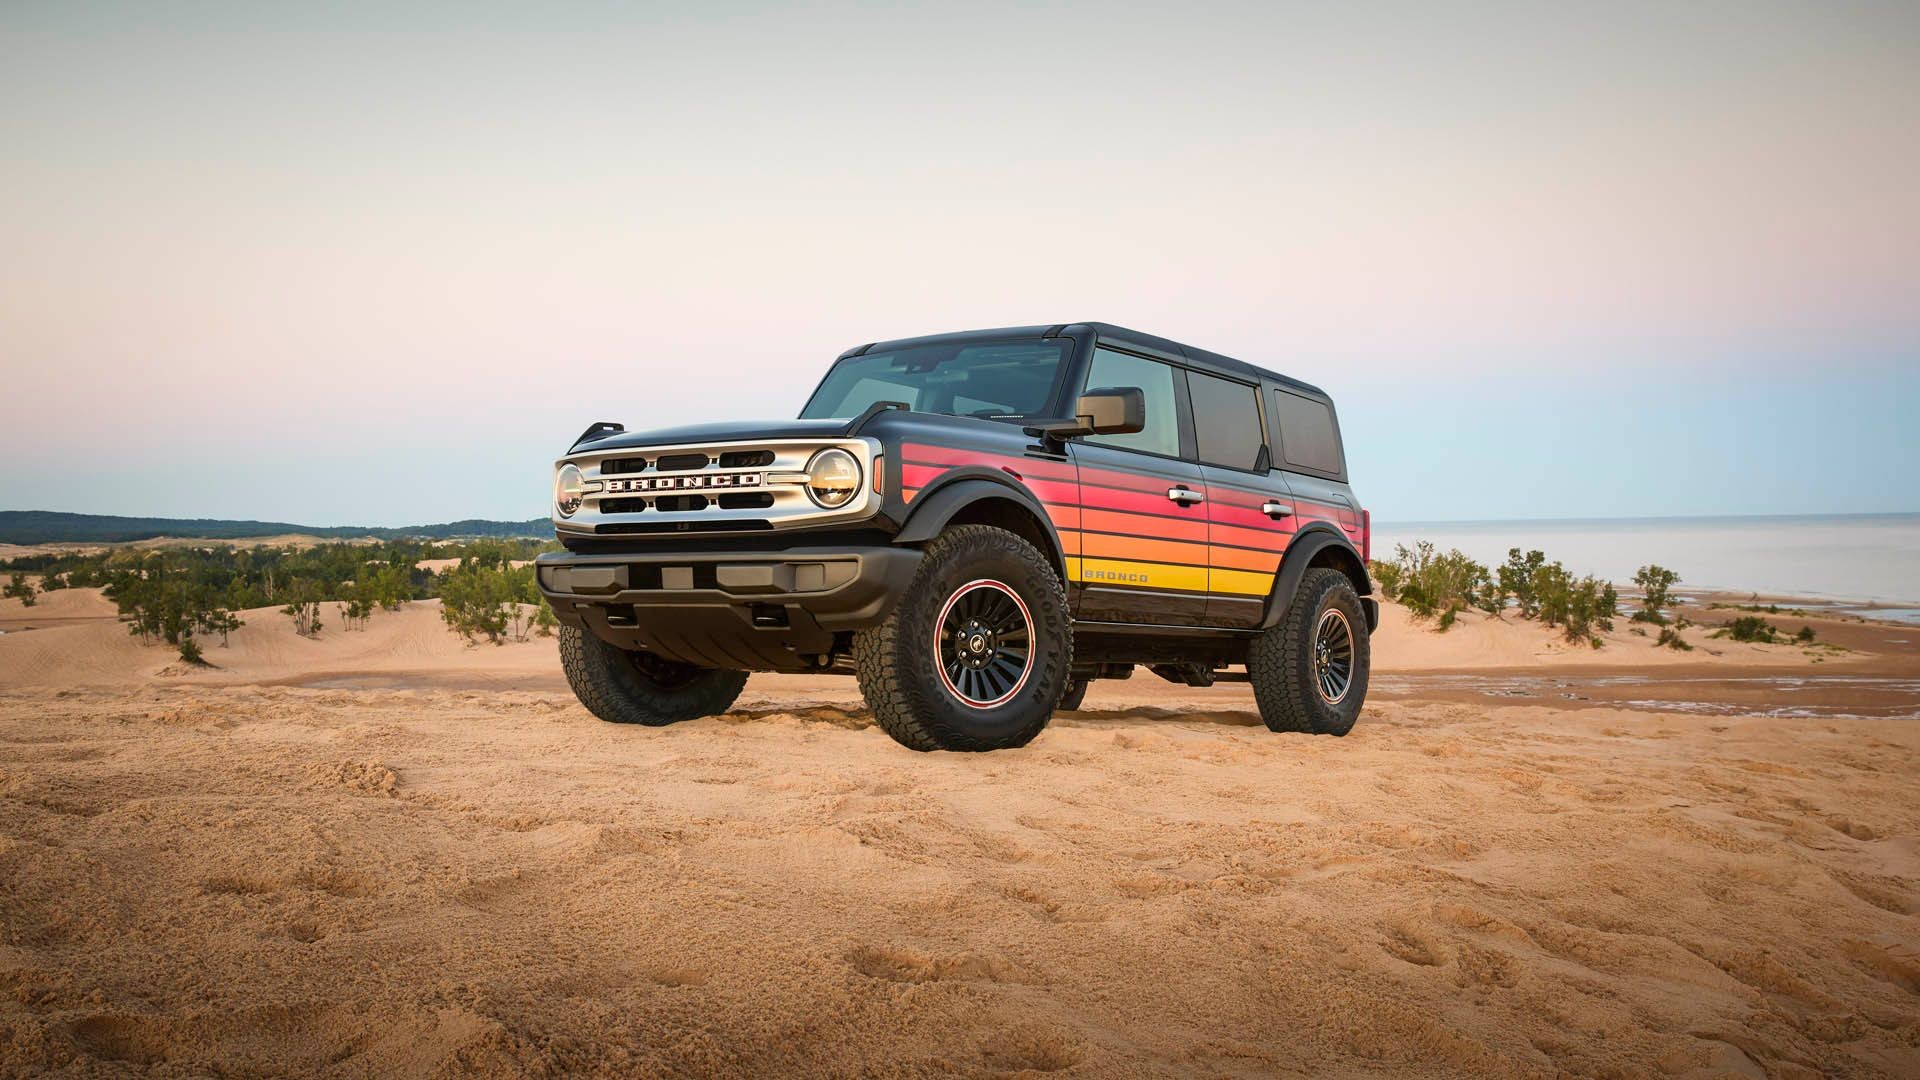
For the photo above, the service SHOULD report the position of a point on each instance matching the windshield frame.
(1071, 356)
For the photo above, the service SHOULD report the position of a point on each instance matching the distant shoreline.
(1891, 518)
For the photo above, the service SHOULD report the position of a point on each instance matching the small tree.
(544, 620)
(305, 615)
(1552, 593)
(1516, 579)
(220, 621)
(190, 651)
(1656, 584)
(20, 589)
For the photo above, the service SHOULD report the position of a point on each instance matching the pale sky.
(379, 263)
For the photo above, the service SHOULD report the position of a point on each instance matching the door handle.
(1276, 509)
(1185, 496)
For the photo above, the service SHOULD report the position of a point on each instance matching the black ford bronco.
(976, 525)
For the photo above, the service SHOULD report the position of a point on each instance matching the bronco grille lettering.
(686, 483)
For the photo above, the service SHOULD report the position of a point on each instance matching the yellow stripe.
(1139, 574)
(1239, 582)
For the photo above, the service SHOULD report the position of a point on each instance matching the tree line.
(181, 595)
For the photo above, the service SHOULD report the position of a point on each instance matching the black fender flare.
(1309, 542)
(960, 488)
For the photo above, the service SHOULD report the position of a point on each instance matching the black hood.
(730, 431)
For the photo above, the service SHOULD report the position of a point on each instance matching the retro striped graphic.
(1118, 529)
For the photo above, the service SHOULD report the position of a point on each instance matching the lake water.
(1872, 558)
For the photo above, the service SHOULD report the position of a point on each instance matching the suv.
(975, 525)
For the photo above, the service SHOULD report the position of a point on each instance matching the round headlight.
(569, 489)
(833, 478)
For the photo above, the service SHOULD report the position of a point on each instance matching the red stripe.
(1138, 502)
(951, 457)
(1248, 517)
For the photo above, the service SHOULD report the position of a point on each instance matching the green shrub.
(1386, 575)
(1805, 636)
(190, 651)
(20, 589)
(1750, 628)
(1438, 585)
(1670, 637)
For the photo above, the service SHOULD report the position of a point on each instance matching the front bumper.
(745, 610)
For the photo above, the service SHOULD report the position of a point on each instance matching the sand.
(390, 853)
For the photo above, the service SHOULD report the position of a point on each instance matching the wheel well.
(1338, 557)
(1016, 519)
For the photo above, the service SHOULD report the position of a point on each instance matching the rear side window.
(1226, 421)
(1307, 437)
(1112, 371)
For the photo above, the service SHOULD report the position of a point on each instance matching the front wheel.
(977, 651)
(1310, 672)
(624, 687)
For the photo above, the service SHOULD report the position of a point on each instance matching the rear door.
(1249, 505)
(1143, 516)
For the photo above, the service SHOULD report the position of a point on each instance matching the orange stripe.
(1241, 559)
(1141, 549)
(1263, 539)
(1142, 524)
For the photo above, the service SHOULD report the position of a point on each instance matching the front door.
(1143, 515)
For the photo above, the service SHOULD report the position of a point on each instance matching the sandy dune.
(61, 607)
(416, 872)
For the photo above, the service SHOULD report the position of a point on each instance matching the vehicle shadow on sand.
(855, 719)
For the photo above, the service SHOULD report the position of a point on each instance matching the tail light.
(1366, 536)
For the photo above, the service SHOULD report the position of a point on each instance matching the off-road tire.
(623, 687)
(898, 661)
(1073, 695)
(1281, 661)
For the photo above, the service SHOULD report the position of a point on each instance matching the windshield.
(996, 380)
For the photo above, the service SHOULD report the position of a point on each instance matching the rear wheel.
(624, 687)
(1310, 672)
(977, 651)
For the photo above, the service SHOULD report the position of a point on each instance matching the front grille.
(723, 487)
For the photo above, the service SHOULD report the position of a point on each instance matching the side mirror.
(1112, 410)
(1109, 410)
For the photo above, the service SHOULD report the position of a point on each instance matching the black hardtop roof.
(1107, 332)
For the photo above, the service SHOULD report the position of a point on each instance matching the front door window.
(1155, 381)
